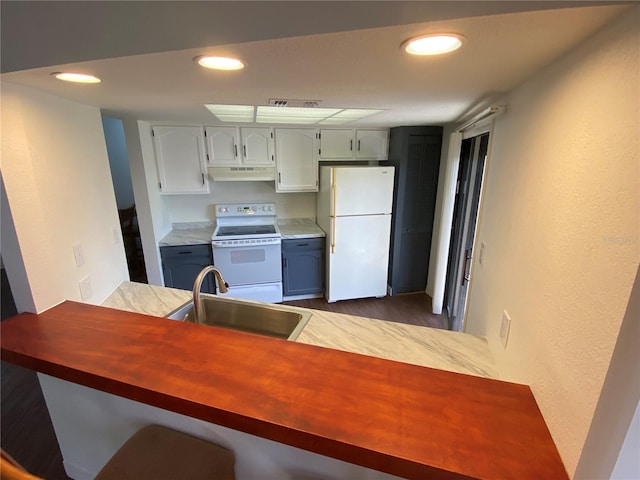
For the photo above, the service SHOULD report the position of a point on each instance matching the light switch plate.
(115, 233)
(504, 328)
(78, 254)
(85, 288)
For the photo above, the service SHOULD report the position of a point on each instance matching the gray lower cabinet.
(302, 266)
(181, 265)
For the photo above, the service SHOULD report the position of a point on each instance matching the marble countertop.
(199, 233)
(195, 233)
(418, 345)
(148, 299)
(299, 228)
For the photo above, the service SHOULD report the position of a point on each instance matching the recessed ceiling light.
(220, 63)
(76, 77)
(433, 44)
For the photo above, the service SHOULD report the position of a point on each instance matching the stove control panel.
(245, 209)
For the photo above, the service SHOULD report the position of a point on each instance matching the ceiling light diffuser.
(232, 113)
(433, 44)
(291, 115)
(220, 63)
(76, 77)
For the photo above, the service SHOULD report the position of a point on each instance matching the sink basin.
(278, 321)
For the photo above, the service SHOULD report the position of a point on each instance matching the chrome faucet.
(223, 287)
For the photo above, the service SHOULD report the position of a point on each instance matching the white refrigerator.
(354, 209)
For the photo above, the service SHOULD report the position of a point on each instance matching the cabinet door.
(303, 266)
(296, 161)
(372, 144)
(223, 144)
(181, 159)
(257, 146)
(181, 265)
(336, 144)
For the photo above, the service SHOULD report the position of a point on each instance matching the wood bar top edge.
(406, 429)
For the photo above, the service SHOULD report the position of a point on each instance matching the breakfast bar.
(389, 418)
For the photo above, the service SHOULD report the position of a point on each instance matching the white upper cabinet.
(233, 146)
(350, 144)
(372, 144)
(181, 159)
(222, 146)
(257, 146)
(336, 144)
(296, 160)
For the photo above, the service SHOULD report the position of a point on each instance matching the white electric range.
(247, 250)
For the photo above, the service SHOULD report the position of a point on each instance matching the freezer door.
(358, 257)
(362, 190)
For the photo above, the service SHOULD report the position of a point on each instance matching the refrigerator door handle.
(334, 188)
(333, 235)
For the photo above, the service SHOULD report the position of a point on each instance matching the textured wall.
(561, 223)
(58, 185)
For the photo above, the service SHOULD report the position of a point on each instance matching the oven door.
(249, 264)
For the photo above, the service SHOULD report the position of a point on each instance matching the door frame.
(464, 228)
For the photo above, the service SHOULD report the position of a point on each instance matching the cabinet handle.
(350, 145)
(244, 150)
(203, 179)
(358, 145)
(184, 253)
(279, 177)
(303, 245)
(235, 150)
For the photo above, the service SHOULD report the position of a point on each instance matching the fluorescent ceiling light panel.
(282, 119)
(349, 115)
(232, 113)
(295, 115)
(335, 121)
(300, 112)
(354, 113)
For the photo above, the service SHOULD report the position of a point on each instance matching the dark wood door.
(417, 167)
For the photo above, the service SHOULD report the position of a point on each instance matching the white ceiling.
(349, 67)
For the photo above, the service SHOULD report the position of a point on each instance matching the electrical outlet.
(483, 246)
(85, 288)
(504, 328)
(115, 233)
(78, 254)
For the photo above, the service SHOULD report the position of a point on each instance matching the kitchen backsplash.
(200, 208)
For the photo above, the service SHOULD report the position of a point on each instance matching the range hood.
(242, 174)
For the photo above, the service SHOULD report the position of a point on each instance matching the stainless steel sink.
(278, 321)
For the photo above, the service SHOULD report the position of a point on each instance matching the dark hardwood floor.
(411, 308)
(26, 430)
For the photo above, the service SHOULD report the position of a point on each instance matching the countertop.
(418, 345)
(195, 233)
(199, 233)
(292, 228)
(402, 419)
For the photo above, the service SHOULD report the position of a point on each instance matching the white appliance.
(247, 250)
(354, 209)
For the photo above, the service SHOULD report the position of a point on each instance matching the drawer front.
(302, 244)
(186, 251)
